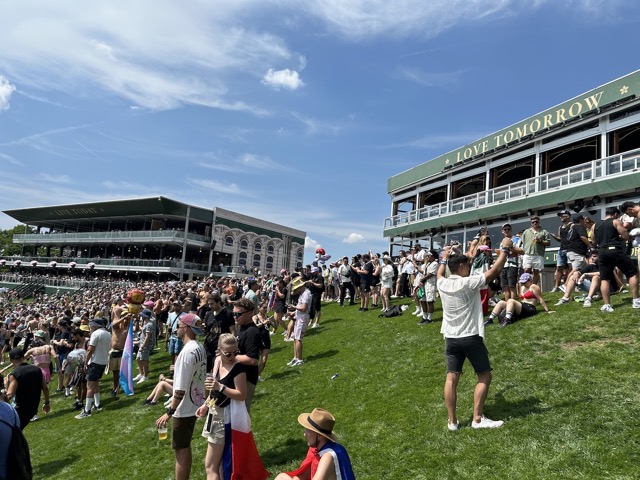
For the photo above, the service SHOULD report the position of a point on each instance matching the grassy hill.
(566, 385)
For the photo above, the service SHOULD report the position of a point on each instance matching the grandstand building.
(583, 155)
(152, 236)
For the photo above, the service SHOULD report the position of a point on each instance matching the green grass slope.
(566, 385)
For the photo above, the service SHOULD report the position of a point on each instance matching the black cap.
(16, 354)
(564, 212)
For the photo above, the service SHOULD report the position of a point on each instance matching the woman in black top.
(229, 382)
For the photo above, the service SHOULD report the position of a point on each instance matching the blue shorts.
(585, 285)
(562, 261)
(175, 346)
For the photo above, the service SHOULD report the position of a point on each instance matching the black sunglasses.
(238, 314)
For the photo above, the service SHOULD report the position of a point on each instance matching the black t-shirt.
(607, 235)
(214, 326)
(317, 291)
(250, 344)
(27, 396)
(574, 242)
(62, 336)
(230, 381)
(563, 230)
(590, 268)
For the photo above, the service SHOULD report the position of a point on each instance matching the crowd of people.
(217, 331)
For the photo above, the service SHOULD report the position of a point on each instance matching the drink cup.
(162, 433)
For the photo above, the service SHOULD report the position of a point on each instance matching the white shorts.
(577, 261)
(429, 293)
(300, 328)
(387, 283)
(533, 262)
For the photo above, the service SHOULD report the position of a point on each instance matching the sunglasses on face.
(229, 354)
(534, 222)
(238, 314)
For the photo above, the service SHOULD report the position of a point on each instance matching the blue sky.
(295, 111)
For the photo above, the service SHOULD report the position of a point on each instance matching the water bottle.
(334, 376)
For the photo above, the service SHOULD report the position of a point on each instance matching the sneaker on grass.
(83, 414)
(636, 303)
(96, 408)
(292, 361)
(606, 308)
(453, 426)
(297, 363)
(562, 301)
(487, 423)
(587, 303)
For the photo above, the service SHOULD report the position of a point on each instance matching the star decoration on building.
(446, 162)
(624, 90)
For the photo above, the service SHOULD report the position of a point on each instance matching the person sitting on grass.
(586, 279)
(530, 295)
(326, 459)
(164, 386)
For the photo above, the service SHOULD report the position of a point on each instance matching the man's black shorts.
(95, 372)
(182, 432)
(456, 350)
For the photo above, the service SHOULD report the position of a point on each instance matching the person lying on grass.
(530, 295)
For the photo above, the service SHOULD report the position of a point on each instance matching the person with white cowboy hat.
(300, 313)
(326, 459)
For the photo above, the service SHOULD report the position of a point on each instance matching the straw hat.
(319, 421)
(296, 283)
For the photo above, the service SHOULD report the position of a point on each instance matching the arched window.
(228, 240)
(299, 254)
(270, 249)
(242, 258)
(269, 262)
(257, 247)
(244, 244)
(256, 260)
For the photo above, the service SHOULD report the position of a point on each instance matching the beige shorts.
(213, 429)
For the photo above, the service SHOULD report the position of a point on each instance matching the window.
(228, 240)
(270, 250)
(242, 258)
(269, 262)
(244, 244)
(257, 247)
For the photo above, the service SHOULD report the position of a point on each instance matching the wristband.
(443, 262)
(170, 411)
(505, 249)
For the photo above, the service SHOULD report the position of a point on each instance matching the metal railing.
(100, 263)
(595, 170)
(133, 236)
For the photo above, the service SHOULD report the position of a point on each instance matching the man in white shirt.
(188, 392)
(95, 362)
(463, 330)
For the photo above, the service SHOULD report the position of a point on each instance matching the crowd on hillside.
(225, 324)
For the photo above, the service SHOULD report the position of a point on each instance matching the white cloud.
(47, 177)
(315, 126)
(247, 163)
(213, 186)
(286, 78)
(127, 51)
(354, 238)
(311, 244)
(6, 89)
(428, 79)
(362, 19)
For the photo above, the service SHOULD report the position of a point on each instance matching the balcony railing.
(595, 170)
(105, 263)
(133, 236)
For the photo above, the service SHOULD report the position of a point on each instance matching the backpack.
(18, 456)
(392, 312)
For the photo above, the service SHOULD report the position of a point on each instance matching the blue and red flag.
(240, 457)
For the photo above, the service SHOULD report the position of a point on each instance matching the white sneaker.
(419, 314)
(587, 303)
(555, 289)
(417, 311)
(563, 289)
(260, 379)
(453, 426)
(142, 380)
(297, 363)
(606, 308)
(137, 377)
(636, 303)
(487, 423)
(562, 301)
(291, 362)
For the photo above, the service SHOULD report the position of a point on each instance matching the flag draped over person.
(240, 458)
(126, 366)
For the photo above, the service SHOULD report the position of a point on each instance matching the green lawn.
(566, 385)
